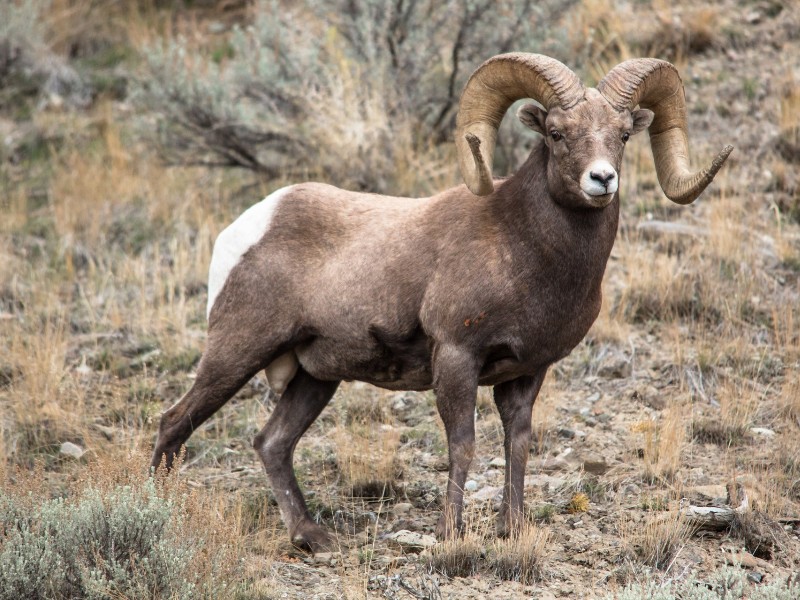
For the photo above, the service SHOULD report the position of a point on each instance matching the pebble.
(73, 450)
(755, 577)
(596, 467)
(546, 481)
(324, 558)
(108, 432)
(400, 404)
(618, 369)
(553, 464)
(762, 431)
(402, 508)
(497, 462)
(471, 485)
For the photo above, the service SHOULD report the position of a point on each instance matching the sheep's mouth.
(598, 201)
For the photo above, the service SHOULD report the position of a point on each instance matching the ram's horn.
(493, 87)
(656, 85)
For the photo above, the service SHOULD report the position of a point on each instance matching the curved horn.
(655, 84)
(495, 86)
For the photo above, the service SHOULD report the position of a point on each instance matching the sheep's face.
(585, 144)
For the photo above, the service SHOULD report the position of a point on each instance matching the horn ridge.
(656, 85)
(488, 94)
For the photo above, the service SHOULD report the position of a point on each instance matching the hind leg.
(222, 372)
(297, 408)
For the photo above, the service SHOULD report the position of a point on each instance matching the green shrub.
(126, 542)
(349, 91)
(729, 583)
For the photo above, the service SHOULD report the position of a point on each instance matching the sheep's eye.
(555, 135)
(626, 136)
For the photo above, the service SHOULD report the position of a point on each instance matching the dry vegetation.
(689, 380)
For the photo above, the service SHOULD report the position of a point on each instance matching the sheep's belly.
(404, 365)
(393, 372)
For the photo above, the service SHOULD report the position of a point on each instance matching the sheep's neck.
(575, 242)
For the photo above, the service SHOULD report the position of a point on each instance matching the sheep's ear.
(533, 117)
(641, 120)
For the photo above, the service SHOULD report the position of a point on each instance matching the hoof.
(507, 527)
(447, 530)
(312, 538)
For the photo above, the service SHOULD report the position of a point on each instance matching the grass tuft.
(520, 558)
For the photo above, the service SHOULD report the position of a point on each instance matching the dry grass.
(521, 558)
(463, 556)
(663, 443)
(738, 404)
(366, 447)
(789, 122)
(656, 539)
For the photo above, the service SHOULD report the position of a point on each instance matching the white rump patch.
(595, 187)
(236, 239)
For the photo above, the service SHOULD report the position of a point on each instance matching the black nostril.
(604, 178)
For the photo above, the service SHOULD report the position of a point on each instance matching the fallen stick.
(716, 518)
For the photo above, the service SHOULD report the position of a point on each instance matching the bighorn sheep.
(487, 284)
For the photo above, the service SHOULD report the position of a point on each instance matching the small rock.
(323, 558)
(489, 492)
(402, 508)
(471, 485)
(497, 462)
(73, 450)
(618, 369)
(557, 463)
(651, 397)
(400, 404)
(596, 467)
(632, 490)
(753, 17)
(108, 432)
(755, 577)
(762, 431)
(410, 541)
(566, 432)
(546, 481)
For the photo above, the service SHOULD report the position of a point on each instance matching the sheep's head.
(585, 129)
(585, 143)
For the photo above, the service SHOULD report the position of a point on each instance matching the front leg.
(514, 400)
(456, 386)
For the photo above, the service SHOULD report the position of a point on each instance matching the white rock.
(498, 462)
(409, 540)
(73, 450)
(762, 431)
(471, 485)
